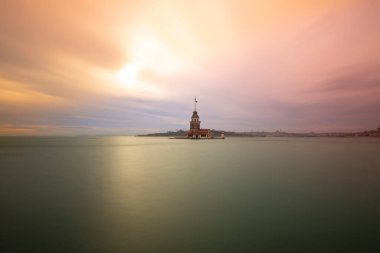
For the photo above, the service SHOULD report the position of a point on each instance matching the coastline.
(181, 134)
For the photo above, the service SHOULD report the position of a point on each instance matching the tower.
(195, 131)
(195, 124)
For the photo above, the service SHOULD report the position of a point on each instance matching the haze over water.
(130, 194)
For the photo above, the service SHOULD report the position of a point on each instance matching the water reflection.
(128, 194)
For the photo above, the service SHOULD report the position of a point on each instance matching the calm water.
(130, 194)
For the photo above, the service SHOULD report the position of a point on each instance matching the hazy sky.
(126, 67)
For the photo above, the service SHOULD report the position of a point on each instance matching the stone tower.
(195, 124)
(195, 131)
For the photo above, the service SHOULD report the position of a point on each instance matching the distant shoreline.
(370, 133)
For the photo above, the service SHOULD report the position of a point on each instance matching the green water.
(132, 194)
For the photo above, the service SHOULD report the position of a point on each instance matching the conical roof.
(195, 114)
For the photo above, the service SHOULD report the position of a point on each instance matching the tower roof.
(195, 114)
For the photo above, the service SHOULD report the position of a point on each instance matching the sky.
(126, 67)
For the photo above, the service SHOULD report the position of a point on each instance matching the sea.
(154, 194)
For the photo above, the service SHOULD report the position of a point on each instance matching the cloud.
(261, 65)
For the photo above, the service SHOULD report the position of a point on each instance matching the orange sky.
(125, 67)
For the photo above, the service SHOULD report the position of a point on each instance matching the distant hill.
(370, 133)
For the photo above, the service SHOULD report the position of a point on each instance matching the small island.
(195, 132)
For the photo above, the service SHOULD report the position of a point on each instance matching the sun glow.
(151, 61)
(130, 79)
(128, 75)
(153, 55)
